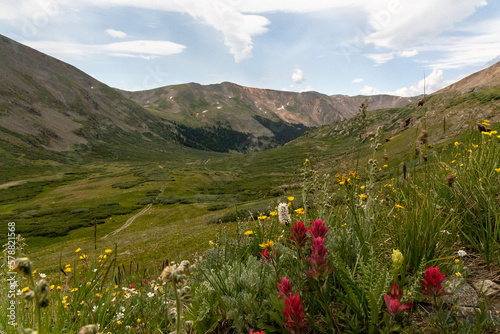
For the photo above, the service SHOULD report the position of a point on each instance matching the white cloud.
(116, 33)
(395, 24)
(144, 49)
(238, 28)
(413, 22)
(298, 76)
(357, 80)
(476, 45)
(368, 90)
(382, 58)
(307, 89)
(408, 53)
(433, 82)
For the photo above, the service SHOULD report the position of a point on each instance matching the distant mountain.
(278, 116)
(48, 106)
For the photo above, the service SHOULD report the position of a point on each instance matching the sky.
(330, 46)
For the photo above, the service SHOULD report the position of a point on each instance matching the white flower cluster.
(283, 214)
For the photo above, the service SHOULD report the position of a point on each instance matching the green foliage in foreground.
(375, 234)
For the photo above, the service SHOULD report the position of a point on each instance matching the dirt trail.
(11, 184)
(131, 219)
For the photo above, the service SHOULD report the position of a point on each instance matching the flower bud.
(23, 266)
(89, 329)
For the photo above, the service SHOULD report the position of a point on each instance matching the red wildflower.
(131, 286)
(265, 255)
(295, 319)
(394, 307)
(318, 229)
(318, 261)
(396, 292)
(431, 284)
(299, 235)
(285, 289)
(261, 332)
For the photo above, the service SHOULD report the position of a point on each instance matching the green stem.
(178, 322)
(37, 307)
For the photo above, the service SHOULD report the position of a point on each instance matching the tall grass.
(352, 237)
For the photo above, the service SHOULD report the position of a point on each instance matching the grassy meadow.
(383, 204)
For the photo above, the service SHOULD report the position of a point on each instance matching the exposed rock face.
(234, 105)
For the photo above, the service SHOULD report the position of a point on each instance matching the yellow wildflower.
(273, 213)
(83, 256)
(138, 320)
(249, 232)
(486, 133)
(399, 206)
(26, 289)
(262, 217)
(74, 290)
(457, 143)
(291, 198)
(497, 170)
(385, 166)
(118, 322)
(299, 211)
(210, 243)
(269, 243)
(362, 187)
(458, 275)
(457, 261)
(397, 258)
(58, 288)
(77, 250)
(475, 146)
(68, 270)
(363, 196)
(52, 287)
(108, 251)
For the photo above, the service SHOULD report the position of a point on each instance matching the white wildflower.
(462, 253)
(283, 214)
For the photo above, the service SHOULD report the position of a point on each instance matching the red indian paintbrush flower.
(261, 332)
(318, 229)
(295, 319)
(318, 261)
(394, 306)
(299, 234)
(396, 292)
(265, 255)
(431, 284)
(285, 289)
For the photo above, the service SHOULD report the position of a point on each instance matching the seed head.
(450, 180)
(89, 329)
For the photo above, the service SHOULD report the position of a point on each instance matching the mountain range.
(48, 107)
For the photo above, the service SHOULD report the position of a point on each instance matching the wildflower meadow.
(386, 248)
